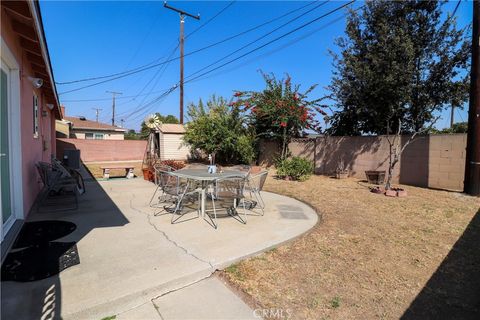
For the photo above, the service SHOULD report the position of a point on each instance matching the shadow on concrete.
(42, 299)
(453, 292)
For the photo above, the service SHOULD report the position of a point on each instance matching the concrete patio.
(130, 258)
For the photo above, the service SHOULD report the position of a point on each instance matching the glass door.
(5, 183)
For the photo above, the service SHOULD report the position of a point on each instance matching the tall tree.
(400, 60)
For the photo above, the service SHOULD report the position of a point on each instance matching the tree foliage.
(132, 135)
(280, 111)
(399, 61)
(459, 127)
(218, 129)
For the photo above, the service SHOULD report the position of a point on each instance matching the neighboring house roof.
(27, 23)
(79, 123)
(171, 128)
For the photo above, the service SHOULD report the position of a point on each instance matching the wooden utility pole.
(452, 116)
(113, 105)
(472, 165)
(182, 40)
(97, 112)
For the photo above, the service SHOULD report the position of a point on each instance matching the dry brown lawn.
(97, 172)
(371, 256)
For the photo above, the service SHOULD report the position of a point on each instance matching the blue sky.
(88, 39)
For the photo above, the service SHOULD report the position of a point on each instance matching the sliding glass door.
(5, 175)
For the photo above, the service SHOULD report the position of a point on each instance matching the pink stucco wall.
(33, 149)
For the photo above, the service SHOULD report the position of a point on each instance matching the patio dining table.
(206, 178)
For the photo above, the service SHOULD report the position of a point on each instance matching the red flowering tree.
(280, 111)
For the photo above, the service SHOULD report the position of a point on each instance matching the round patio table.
(204, 177)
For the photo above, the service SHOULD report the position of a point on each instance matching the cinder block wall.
(436, 161)
(104, 150)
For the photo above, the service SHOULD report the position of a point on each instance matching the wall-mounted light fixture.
(50, 106)
(36, 82)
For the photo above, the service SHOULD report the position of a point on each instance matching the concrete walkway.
(131, 258)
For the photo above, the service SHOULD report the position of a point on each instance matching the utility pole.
(452, 115)
(97, 112)
(122, 121)
(113, 105)
(472, 165)
(182, 40)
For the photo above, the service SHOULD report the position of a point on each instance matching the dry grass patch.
(97, 172)
(369, 257)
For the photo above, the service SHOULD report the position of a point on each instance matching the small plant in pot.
(341, 172)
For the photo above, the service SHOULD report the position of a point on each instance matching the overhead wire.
(259, 38)
(272, 41)
(152, 64)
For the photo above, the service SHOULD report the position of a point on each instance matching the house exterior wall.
(172, 147)
(33, 149)
(108, 135)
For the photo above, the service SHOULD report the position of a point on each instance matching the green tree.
(132, 135)
(218, 129)
(400, 60)
(280, 111)
(459, 127)
(145, 131)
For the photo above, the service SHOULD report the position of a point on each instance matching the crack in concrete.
(185, 250)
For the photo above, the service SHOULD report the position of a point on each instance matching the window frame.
(36, 122)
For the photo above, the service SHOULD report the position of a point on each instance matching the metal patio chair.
(56, 184)
(160, 170)
(228, 189)
(254, 186)
(67, 172)
(181, 191)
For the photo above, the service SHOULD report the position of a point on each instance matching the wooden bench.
(128, 171)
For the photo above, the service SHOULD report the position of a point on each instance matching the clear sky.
(89, 39)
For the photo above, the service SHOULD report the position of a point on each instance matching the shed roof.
(171, 128)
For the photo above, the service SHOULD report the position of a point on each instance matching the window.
(35, 116)
(94, 136)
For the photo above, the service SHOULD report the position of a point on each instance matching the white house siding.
(172, 148)
(107, 135)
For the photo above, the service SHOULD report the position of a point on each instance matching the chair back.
(174, 185)
(229, 188)
(58, 166)
(256, 181)
(159, 168)
(47, 174)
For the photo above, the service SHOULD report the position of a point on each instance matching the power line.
(259, 38)
(211, 19)
(272, 41)
(152, 64)
(293, 41)
(108, 99)
(161, 71)
(258, 48)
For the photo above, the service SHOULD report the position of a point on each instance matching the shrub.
(220, 130)
(296, 168)
(177, 165)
